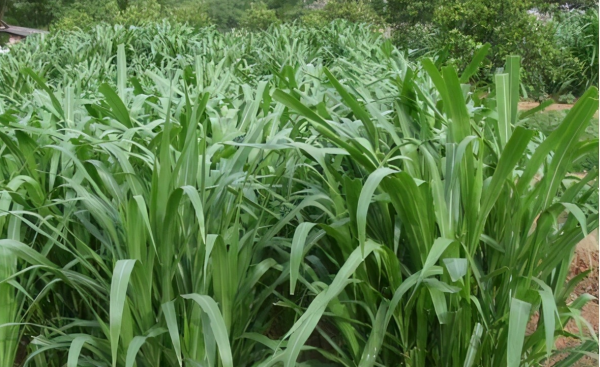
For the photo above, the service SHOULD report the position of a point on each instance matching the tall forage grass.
(294, 197)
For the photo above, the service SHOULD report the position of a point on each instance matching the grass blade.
(117, 106)
(118, 293)
(513, 68)
(519, 316)
(75, 350)
(136, 344)
(298, 243)
(171, 320)
(504, 107)
(473, 66)
(217, 324)
(370, 351)
(364, 201)
(473, 345)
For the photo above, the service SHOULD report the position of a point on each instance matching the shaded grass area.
(546, 122)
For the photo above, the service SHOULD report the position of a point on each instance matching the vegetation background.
(558, 39)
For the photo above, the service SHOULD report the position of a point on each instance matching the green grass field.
(296, 197)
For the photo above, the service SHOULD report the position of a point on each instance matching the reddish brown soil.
(586, 257)
(553, 107)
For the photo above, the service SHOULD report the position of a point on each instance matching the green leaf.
(295, 104)
(141, 204)
(376, 337)
(75, 349)
(461, 125)
(194, 197)
(561, 139)
(578, 214)
(532, 111)
(136, 344)
(118, 293)
(511, 155)
(550, 313)
(519, 316)
(364, 200)
(513, 68)
(224, 279)
(42, 84)
(439, 304)
(121, 70)
(439, 246)
(303, 328)
(171, 319)
(457, 268)
(356, 108)
(449, 88)
(573, 357)
(117, 106)
(217, 324)
(473, 345)
(27, 253)
(504, 107)
(298, 243)
(322, 126)
(473, 66)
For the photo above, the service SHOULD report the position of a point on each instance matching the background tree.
(353, 11)
(259, 17)
(410, 12)
(3, 6)
(225, 13)
(31, 13)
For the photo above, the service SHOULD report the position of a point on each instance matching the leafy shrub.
(410, 12)
(4, 37)
(259, 17)
(139, 12)
(74, 19)
(577, 32)
(353, 11)
(421, 38)
(85, 15)
(226, 14)
(550, 69)
(458, 28)
(193, 13)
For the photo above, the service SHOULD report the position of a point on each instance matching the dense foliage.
(578, 33)
(459, 27)
(557, 40)
(291, 197)
(259, 17)
(353, 11)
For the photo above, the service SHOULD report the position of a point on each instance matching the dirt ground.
(553, 107)
(586, 257)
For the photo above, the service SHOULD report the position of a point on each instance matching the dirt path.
(553, 107)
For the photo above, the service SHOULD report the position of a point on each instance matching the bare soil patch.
(586, 257)
(553, 107)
